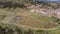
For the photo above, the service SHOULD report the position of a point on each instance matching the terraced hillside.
(16, 18)
(24, 18)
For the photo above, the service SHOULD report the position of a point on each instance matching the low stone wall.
(49, 12)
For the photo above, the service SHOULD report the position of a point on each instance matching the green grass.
(43, 19)
(31, 19)
(57, 31)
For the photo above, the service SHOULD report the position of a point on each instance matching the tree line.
(10, 4)
(22, 4)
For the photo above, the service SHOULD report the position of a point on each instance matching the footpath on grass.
(11, 15)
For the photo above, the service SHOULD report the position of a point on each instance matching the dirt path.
(28, 27)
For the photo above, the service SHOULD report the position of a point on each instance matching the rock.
(16, 19)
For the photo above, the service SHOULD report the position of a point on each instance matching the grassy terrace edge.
(53, 30)
(23, 30)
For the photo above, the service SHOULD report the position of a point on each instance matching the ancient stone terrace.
(46, 11)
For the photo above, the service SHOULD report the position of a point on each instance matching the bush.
(56, 20)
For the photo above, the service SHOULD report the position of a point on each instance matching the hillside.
(29, 18)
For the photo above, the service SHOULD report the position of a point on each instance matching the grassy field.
(57, 31)
(31, 19)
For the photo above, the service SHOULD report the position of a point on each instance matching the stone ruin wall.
(46, 11)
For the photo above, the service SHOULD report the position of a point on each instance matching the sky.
(49, 0)
(53, 0)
